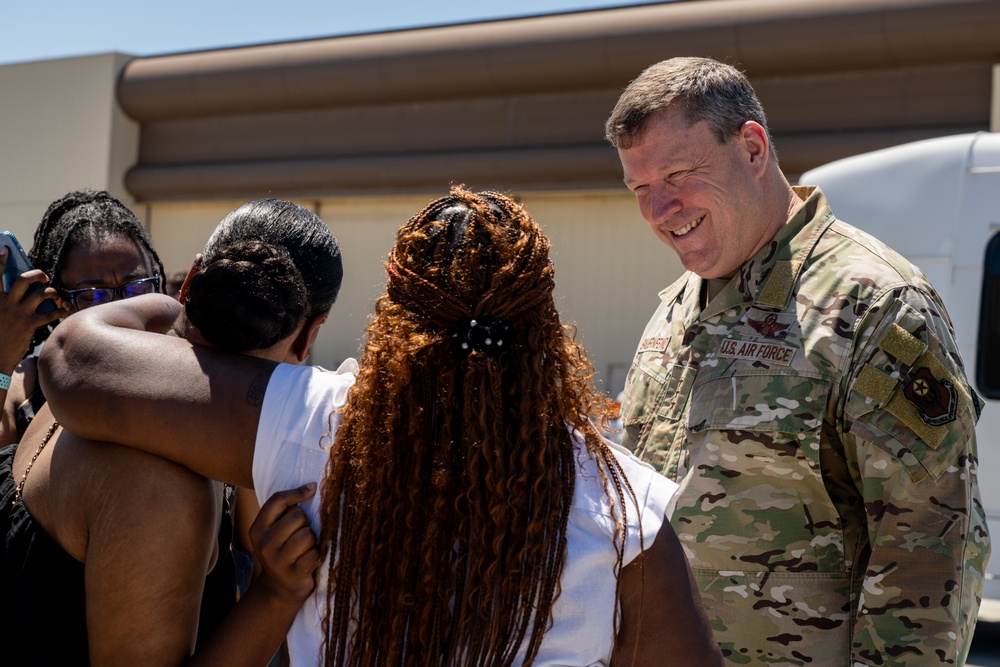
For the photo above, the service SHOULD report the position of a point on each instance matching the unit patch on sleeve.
(929, 400)
(936, 400)
(770, 353)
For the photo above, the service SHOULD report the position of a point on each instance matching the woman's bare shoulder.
(85, 493)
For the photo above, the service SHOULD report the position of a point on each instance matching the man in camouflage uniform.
(801, 382)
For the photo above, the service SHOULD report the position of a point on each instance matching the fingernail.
(310, 486)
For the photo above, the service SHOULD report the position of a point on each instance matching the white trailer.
(937, 202)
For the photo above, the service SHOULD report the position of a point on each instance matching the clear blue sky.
(42, 29)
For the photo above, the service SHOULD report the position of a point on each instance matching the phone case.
(18, 263)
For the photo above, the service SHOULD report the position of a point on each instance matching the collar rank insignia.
(936, 400)
(769, 327)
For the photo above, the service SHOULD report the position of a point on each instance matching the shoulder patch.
(930, 400)
(936, 400)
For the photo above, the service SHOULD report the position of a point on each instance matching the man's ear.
(307, 336)
(755, 142)
(182, 296)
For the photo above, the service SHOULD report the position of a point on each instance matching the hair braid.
(449, 486)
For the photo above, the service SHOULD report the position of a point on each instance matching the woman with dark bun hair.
(470, 513)
(107, 548)
(247, 291)
(270, 267)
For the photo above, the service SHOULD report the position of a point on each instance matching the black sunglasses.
(95, 296)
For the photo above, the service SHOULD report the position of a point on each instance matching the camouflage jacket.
(818, 420)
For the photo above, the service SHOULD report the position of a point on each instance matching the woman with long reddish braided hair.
(469, 511)
(453, 473)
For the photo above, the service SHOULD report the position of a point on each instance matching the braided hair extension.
(449, 486)
(268, 265)
(77, 217)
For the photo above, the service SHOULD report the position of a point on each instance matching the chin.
(700, 270)
(706, 273)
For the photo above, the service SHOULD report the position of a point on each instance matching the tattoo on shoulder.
(255, 392)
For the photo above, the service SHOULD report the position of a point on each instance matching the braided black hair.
(268, 265)
(77, 217)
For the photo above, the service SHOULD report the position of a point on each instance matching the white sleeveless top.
(293, 438)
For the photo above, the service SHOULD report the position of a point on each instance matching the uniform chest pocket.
(778, 403)
(754, 443)
(763, 418)
(657, 392)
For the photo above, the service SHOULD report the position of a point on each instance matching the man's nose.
(665, 203)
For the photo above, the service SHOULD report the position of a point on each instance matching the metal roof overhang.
(521, 103)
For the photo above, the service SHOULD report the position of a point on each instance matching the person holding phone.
(20, 264)
(118, 549)
(22, 309)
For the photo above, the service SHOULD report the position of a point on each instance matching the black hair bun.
(247, 296)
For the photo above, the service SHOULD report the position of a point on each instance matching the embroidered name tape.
(769, 353)
(653, 344)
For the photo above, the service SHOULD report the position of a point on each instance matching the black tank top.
(43, 603)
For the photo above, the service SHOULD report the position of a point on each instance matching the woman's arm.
(149, 546)
(151, 528)
(109, 374)
(663, 621)
(285, 547)
(23, 382)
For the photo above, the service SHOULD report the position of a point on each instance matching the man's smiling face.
(701, 197)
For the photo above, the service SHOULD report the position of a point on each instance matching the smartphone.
(18, 263)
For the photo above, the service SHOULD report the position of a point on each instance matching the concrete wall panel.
(60, 130)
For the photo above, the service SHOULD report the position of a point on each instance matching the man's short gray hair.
(706, 90)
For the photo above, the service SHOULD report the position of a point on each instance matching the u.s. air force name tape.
(770, 353)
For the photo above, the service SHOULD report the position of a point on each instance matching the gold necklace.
(45, 441)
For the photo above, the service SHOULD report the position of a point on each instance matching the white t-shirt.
(297, 427)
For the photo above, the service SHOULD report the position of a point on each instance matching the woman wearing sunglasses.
(115, 557)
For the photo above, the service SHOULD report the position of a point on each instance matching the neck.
(782, 202)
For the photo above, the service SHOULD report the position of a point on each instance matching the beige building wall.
(609, 266)
(995, 101)
(60, 129)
